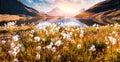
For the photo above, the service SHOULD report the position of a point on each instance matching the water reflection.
(61, 22)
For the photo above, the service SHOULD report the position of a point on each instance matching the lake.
(63, 21)
(70, 21)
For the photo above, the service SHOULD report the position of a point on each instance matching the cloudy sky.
(47, 5)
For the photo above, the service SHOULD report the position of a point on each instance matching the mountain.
(55, 12)
(15, 7)
(106, 12)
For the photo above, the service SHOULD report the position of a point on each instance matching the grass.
(60, 43)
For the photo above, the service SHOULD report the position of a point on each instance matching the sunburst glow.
(68, 8)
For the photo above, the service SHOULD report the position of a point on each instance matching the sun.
(68, 9)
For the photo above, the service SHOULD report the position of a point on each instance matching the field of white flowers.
(59, 43)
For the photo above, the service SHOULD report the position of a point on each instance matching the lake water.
(61, 22)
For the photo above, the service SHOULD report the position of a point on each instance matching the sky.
(74, 6)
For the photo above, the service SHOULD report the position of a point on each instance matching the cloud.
(47, 5)
(29, 1)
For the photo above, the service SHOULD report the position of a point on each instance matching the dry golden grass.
(60, 44)
(6, 17)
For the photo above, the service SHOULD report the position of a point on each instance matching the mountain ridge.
(16, 7)
(99, 13)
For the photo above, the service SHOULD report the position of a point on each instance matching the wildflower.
(43, 39)
(12, 45)
(117, 50)
(38, 56)
(53, 49)
(49, 46)
(22, 49)
(31, 35)
(58, 43)
(108, 47)
(97, 27)
(70, 33)
(10, 24)
(94, 25)
(116, 35)
(15, 60)
(92, 48)
(81, 33)
(75, 35)
(3, 41)
(32, 31)
(113, 40)
(14, 51)
(38, 48)
(107, 43)
(37, 39)
(15, 38)
(58, 57)
(66, 36)
(19, 45)
(79, 46)
(113, 32)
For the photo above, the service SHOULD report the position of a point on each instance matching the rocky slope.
(15, 7)
(106, 12)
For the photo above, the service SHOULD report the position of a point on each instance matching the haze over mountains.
(55, 12)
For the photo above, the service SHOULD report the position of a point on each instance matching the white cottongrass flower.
(79, 46)
(12, 45)
(14, 51)
(81, 33)
(66, 36)
(71, 33)
(38, 56)
(58, 57)
(15, 38)
(38, 48)
(92, 48)
(22, 49)
(15, 60)
(117, 50)
(53, 49)
(19, 45)
(49, 46)
(3, 41)
(94, 25)
(58, 43)
(75, 35)
(112, 40)
(107, 43)
(108, 47)
(32, 31)
(43, 39)
(31, 35)
(10, 24)
(36, 39)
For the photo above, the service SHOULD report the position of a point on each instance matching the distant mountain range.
(55, 12)
(106, 12)
(15, 7)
